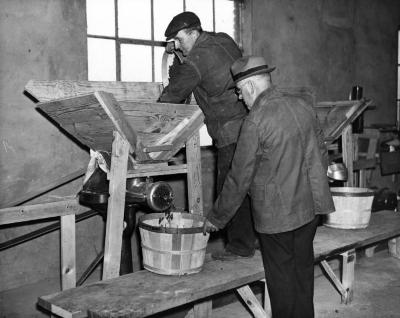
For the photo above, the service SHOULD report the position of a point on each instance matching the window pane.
(204, 10)
(101, 60)
(164, 11)
(225, 17)
(136, 63)
(134, 19)
(100, 17)
(158, 55)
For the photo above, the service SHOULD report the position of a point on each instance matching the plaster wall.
(42, 40)
(330, 45)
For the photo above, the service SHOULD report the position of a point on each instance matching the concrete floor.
(377, 294)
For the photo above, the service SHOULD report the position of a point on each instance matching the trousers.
(240, 234)
(288, 260)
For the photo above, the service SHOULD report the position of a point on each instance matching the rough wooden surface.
(49, 90)
(144, 293)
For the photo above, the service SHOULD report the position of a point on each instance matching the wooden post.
(193, 158)
(68, 263)
(349, 261)
(348, 154)
(116, 206)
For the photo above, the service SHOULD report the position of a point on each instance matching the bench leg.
(345, 286)
(68, 253)
(267, 302)
(251, 301)
(394, 247)
(349, 261)
(370, 251)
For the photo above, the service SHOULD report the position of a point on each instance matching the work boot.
(226, 255)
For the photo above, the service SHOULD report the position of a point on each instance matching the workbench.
(143, 293)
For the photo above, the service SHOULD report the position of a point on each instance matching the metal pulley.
(158, 196)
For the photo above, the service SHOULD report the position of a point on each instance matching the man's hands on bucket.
(209, 227)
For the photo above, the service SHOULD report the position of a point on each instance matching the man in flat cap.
(205, 71)
(281, 160)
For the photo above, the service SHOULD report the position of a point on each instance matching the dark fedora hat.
(181, 21)
(247, 66)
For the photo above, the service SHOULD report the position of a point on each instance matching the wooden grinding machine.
(141, 194)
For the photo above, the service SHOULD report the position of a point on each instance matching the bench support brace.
(345, 286)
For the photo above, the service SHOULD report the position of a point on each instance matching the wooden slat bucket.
(176, 247)
(353, 208)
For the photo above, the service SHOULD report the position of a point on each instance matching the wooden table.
(144, 293)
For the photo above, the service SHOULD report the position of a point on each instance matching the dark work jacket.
(206, 72)
(281, 160)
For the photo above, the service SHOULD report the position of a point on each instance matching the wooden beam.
(116, 206)
(114, 112)
(49, 90)
(43, 189)
(40, 211)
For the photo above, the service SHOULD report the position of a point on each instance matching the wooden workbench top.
(144, 293)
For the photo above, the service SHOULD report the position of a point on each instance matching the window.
(126, 37)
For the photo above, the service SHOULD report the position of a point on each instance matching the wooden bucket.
(176, 249)
(353, 208)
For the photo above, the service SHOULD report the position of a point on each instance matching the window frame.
(153, 43)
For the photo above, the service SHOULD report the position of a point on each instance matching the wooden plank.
(144, 293)
(68, 259)
(192, 127)
(195, 189)
(40, 211)
(157, 171)
(114, 112)
(43, 189)
(115, 208)
(84, 119)
(49, 90)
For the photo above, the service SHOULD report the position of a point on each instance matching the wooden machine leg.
(68, 263)
(116, 206)
(195, 198)
(252, 302)
(193, 158)
(349, 261)
(394, 247)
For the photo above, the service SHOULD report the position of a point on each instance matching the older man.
(281, 161)
(205, 71)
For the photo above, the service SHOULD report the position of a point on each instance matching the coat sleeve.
(183, 79)
(239, 178)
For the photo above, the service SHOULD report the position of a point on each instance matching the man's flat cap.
(181, 21)
(247, 66)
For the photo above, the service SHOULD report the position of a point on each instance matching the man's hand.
(209, 227)
(170, 47)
